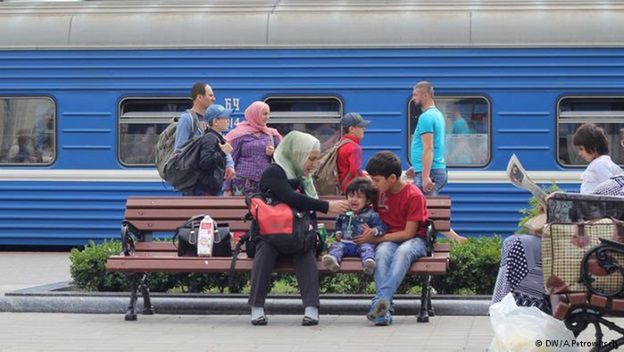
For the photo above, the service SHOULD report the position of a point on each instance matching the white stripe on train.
(151, 175)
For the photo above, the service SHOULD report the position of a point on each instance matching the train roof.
(310, 24)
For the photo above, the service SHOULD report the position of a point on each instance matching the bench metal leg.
(147, 302)
(429, 306)
(425, 300)
(580, 317)
(134, 286)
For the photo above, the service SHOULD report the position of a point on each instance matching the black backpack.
(182, 171)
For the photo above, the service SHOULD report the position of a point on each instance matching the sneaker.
(331, 263)
(384, 320)
(369, 266)
(381, 308)
(370, 316)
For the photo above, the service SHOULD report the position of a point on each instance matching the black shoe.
(307, 321)
(260, 321)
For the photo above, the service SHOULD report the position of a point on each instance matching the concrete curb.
(52, 299)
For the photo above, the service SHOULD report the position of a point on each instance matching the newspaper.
(520, 179)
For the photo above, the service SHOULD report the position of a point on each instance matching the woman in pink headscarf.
(254, 144)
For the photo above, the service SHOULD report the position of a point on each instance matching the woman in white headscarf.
(295, 159)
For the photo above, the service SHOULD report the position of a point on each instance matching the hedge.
(473, 270)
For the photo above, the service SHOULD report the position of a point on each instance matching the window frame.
(55, 129)
(303, 119)
(573, 120)
(145, 120)
(459, 96)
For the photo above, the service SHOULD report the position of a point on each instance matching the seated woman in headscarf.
(254, 144)
(289, 181)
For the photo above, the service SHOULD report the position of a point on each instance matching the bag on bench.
(563, 247)
(288, 230)
(185, 239)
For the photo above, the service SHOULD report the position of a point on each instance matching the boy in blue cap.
(214, 150)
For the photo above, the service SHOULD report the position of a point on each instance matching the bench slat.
(229, 214)
(428, 265)
(170, 225)
(230, 202)
(169, 247)
(436, 256)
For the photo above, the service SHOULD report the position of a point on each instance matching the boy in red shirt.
(402, 207)
(349, 160)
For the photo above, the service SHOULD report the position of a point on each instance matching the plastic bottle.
(323, 233)
(205, 237)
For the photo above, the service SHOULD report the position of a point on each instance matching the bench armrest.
(431, 235)
(129, 235)
(599, 262)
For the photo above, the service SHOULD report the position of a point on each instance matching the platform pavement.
(106, 332)
(19, 270)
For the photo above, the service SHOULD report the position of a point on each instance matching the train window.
(27, 131)
(467, 129)
(141, 120)
(606, 112)
(318, 116)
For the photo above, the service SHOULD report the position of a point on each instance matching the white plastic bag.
(527, 329)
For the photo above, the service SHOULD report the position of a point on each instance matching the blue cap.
(353, 119)
(217, 111)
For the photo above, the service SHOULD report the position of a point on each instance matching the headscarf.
(252, 124)
(292, 153)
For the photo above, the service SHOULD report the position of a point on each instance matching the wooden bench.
(580, 309)
(146, 215)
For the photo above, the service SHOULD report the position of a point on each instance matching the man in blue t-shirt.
(427, 151)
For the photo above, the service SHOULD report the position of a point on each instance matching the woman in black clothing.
(295, 159)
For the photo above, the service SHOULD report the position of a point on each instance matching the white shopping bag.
(527, 329)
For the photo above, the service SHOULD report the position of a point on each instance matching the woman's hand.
(270, 149)
(338, 206)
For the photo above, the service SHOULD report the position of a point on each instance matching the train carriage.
(86, 86)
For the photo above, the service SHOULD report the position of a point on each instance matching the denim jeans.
(393, 262)
(439, 178)
(348, 249)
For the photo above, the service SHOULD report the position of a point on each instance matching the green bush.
(534, 207)
(473, 269)
(88, 272)
(88, 267)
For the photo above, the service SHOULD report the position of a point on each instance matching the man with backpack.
(188, 126)
(203, 97)
(341, 163)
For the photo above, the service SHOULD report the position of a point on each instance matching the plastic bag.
(527, 329)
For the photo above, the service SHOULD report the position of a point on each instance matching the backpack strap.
(241, 241)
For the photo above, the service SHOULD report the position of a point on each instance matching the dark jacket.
(274, 181)
(211, 162)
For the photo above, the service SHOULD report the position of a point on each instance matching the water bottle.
(348, 233)
(205, 237)
(323, 233)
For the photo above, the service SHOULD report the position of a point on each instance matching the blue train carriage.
(86, 87)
